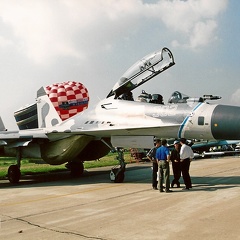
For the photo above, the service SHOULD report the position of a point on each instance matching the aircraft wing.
(20, 138)
(23, 138)
(122, 137)
(138, 131)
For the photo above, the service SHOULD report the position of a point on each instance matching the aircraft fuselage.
(192, 120)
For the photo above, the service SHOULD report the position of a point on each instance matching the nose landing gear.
(117, 174)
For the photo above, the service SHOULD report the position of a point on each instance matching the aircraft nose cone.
(225, 122)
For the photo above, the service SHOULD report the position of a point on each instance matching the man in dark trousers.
(186, 156)
(163, 159)
(151, 155)
(175, 159)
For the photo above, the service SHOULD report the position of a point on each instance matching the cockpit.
(150, 98)
(178, 97)
(142, 71)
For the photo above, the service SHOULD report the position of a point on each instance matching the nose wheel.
(117, 174)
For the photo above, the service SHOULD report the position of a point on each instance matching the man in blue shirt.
(163, 159)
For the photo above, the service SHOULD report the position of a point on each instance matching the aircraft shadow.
(215, 183)
(137, 174)
(90, 176)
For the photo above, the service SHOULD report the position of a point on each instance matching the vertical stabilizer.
(54, 104)
(47, 114)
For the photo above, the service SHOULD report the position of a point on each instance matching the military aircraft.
(203, 149)
(118, 121)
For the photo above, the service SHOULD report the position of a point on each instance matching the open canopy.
(142, 71)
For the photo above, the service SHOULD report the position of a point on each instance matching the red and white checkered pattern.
(68, 98)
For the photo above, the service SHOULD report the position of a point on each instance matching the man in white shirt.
(186, 156)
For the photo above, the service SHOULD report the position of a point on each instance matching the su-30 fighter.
(118, 122)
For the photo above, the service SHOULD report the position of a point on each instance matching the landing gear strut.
(14, 173)
(117, 173)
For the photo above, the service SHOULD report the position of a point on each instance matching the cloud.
(46, 30)
(235, 98)
(202, 34)
(5, 42)
(40, 30)
(195, 21)
(49, 29)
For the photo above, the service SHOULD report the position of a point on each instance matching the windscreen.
(142, 71)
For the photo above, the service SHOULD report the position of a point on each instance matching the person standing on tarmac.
(163, 159)
(175, 159)
(151, 155)
(186, 156)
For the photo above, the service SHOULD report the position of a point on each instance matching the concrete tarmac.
(92, 207)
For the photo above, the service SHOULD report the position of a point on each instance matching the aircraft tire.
(119, 177)
(14, 174)
(77, 169)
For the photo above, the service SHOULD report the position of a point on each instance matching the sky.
(94, 42)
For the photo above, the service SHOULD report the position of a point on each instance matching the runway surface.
(92, 207)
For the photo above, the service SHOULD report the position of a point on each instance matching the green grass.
(34, 166)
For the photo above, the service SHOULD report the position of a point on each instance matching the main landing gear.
(76, 168)
(117, 173)
(14, 172)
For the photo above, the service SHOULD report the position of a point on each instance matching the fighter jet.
(118, 122)
(214, 148)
